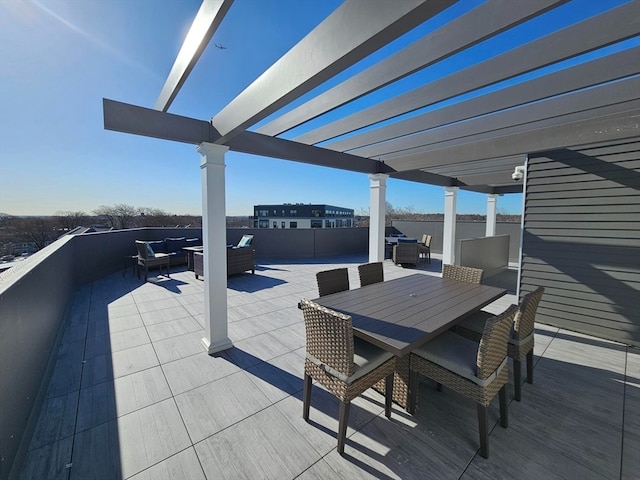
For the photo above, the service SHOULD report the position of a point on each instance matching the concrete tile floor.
(133, 395)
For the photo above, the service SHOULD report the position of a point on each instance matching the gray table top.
(402, 314)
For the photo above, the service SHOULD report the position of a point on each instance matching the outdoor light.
(518, 173)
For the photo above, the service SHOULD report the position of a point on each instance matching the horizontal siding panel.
(602, 150)
(616, 334)
(581, 239)
(598, 197)
(585, 270)
(590, 315)
(569, 207)
(630, 184)
(569, 224)
(574, 175)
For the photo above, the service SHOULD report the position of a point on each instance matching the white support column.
(214, 240)
(492, 210)
(377, 211)
(449, 235)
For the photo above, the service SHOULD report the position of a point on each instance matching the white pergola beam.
(353, 31)
(205, 24)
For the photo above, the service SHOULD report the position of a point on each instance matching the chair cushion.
(150, 252)
(452, 352)
(476, 322)
(366, 357)
(157, 246)
(175, 244)
(193, 242)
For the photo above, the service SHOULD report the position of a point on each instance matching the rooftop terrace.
(134, 396)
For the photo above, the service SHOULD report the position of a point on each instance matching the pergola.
(468, 129)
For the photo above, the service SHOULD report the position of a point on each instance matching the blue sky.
(59, 58)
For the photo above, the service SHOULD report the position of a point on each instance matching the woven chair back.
(524, 322)
(371, 273)
(329, 336)
(142, 249)
(426, 240)
(332, 281)
(462, 274)
(493, 345)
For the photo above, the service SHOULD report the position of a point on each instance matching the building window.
(275, 224)
(282, 224)
(316, 223)
(263, 224)
(293, 224)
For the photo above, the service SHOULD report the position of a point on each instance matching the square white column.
(449, 235)
(492, 211)
(377, 213)
(214, 240)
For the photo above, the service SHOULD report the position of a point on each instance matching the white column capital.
(211, 153)
(378, 178)
(451, 190)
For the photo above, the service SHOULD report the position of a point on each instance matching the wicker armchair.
(477, 371)
(147, 258)
(462, 274)
(521, 338)
(344, 365)
(370, 273)
(332, 281)
(406, 253)
(424, 247)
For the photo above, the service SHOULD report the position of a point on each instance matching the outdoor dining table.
(402, 314)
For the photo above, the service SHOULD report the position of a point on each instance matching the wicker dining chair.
(462, 274)
(332, 281)
(344, 365)
(424, 247)
(148, 258)
(477, 371)
(370, 273)
(521, 337)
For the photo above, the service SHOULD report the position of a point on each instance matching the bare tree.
(119, 216)
(36, 231)
(67, 220)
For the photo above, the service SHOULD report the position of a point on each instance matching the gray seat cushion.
(452, 352)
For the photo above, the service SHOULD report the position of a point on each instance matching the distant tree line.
(409, 213)
(29, 234)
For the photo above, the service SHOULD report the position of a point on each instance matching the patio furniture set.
(386, 334)
(408, 251)
(175, 251)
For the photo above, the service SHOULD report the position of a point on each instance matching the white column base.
(216, 347)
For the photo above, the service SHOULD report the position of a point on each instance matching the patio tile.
(321, 430)
(67, 373)
(49, 461)
(155, 305)
(156, 431)
(115, 342)
(125, 323)
(164, 315)
(381, 449)
(183, 465)
(130, 444)
(235, 395)
(251, 351)
(173, 328)
(280, 377)
(515, 455)
(182, 346)
(107, 367)
(262, 446)
(197, 370)
(108, 400)
(56, 421)
(320, 471)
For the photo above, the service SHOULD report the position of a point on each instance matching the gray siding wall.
(581, 239)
